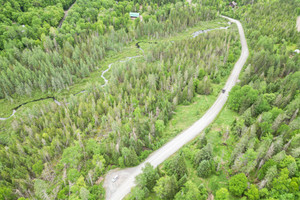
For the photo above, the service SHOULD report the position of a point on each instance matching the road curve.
(186, 136)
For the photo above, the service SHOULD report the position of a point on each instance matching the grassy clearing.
(185, 116)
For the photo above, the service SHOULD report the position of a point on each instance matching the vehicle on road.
(114, 179)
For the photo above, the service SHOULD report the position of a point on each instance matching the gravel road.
(122, 186)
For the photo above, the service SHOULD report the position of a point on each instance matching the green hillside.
(85, 89)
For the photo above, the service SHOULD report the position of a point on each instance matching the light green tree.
(204, 169)
(252, 193)
(190, 191)
(148, 178)
(238, 184)
(166, 187)
(222, 194)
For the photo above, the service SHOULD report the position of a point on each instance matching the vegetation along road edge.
(157, 157)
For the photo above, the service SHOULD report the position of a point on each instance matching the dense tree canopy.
(61, 152)
(109, 125)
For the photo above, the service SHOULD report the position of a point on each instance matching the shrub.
(238, 184)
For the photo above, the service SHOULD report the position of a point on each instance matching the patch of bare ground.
(210, 196)
(114, 179)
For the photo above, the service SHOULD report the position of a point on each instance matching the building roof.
(134, 14)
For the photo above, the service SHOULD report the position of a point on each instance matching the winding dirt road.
(126, 178)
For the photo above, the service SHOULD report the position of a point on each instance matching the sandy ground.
(122, 176)
(298, 24)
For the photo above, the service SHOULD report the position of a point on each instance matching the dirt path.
(298, 24)
(66, 14)
(126, 178)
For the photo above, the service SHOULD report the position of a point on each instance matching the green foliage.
(25, 22)
(99, 163)
(166, 187)
(281, 183)
(111, 126)
(203, 154)
(204, 169)
(73, 175)
(84, 193)
(268, 104)
(38, 167)
(96, 192)
(159, 126)
(148, 178)
(190, 191)
(59, 56)
(204, 87)
(40, 188)
(176, 166)
(71, 156)
(252, 193)
(238, 184)
(129, 115)
(202, 142)
(263, 193)
(237, 126)
(262, 172)
(62, 194)
(6, 192)
(241, 98)
(138, 193)
(129, 157)
(222, 194)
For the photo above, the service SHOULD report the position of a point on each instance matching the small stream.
(195, 34)
(83, 91)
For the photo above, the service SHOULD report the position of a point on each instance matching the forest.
(61, 151)
(51, 151)
(252, 150)
(49, 65)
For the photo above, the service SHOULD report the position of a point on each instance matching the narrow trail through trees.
(102, 75)
(66, 14)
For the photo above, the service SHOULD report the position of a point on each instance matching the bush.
(204, 169)
(238, 184)
(222, 194)
(252, 193)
